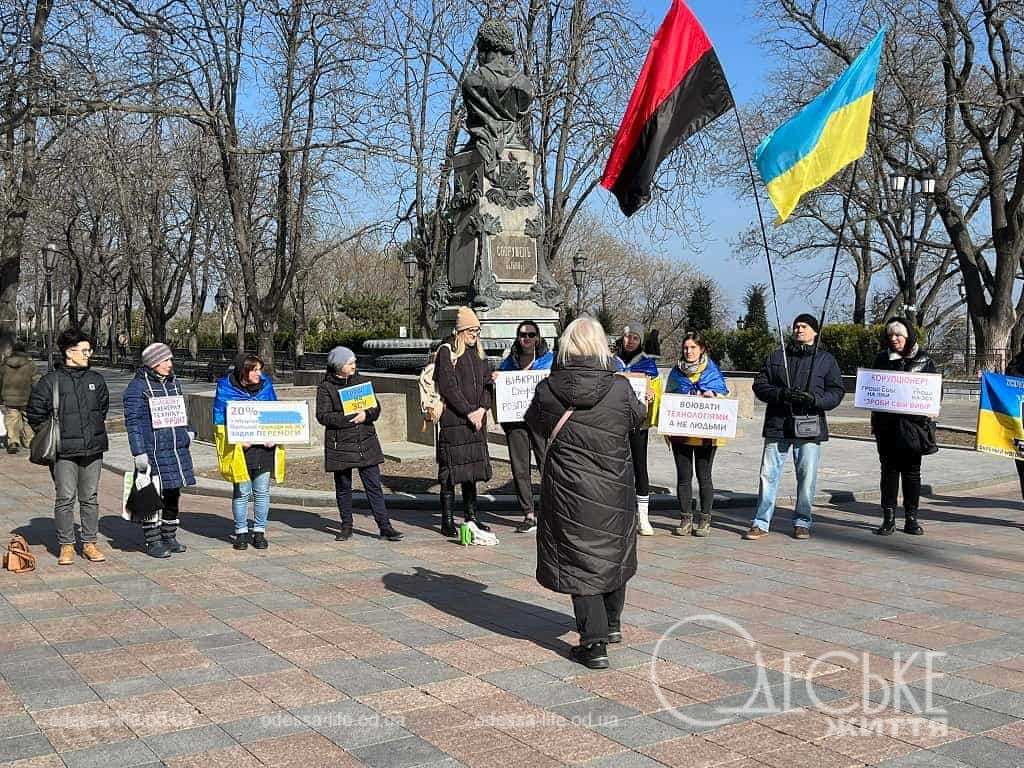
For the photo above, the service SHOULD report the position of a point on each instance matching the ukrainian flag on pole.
(1000, 430)
(823, 137)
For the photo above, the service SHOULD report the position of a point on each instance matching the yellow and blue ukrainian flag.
(1000, 430)
(823, 137)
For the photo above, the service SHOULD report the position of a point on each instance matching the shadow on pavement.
(471, 602)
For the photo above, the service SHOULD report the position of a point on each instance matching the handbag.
(144, 503)
(45, 443)
(19, 558)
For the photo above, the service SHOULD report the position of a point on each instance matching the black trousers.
(688, 458)
(905, 466)
(1020, 474)
(521, 440)
(374, 494)
(597, 615)
(638, 447)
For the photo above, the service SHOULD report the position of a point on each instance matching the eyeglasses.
(86, 352)
(471, 330)
(527, 335)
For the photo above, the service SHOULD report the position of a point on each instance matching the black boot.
(241, 541)
(593, 656)
(888, 522)
(447, 515)
(910, 524)
(469, 505)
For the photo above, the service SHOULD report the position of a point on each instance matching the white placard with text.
(918, 394)
(514, 393)
(168, 411)
(696, 416)
(280, 422)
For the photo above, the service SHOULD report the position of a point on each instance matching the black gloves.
(785, 395)
(801, 399)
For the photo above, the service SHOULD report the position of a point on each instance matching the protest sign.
(696, 416)
(639, 383)
(514, 393)
(279, 422)
(357, 398)
(917, 394)
(168, 412)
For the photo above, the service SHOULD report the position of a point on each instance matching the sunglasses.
(527, 335)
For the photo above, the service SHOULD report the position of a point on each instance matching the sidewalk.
(424, 654)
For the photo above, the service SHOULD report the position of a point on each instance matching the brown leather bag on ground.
(19, 558)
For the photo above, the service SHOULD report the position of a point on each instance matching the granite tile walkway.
(845, 650)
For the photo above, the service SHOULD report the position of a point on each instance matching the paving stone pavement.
(845, 650)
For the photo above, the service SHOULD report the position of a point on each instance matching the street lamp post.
(579, 275)
(49, 265)
(962, 289)
(909, 187)
(412, 267)
(222, 300)
(740, 323)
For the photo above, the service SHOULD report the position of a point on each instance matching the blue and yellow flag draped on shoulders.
(1000, 430)
(823, 137)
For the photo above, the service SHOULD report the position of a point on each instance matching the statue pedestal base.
(499, 324)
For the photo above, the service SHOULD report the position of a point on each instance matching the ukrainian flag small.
(1000, 430)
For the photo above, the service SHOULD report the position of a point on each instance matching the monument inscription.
(514, 257)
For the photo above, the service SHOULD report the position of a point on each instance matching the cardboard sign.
(638, 381)
(514, 393)
(357, 398)
(281, 422)
(168, 412)
(696, 416)
(917, 394)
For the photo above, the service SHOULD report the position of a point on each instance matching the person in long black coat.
(462, 376)
(350, 442)
(586, 530)
(902, 439)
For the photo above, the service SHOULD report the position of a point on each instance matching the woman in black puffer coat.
(902, 439)
(462, 376)
(350, 442)
(586, 530)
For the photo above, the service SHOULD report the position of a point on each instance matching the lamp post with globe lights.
(49, 252)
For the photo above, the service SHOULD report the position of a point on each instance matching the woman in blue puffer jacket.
(695, 374)
(161, 448)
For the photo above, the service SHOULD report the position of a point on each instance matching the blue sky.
(733, 30)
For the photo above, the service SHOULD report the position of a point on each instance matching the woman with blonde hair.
(586, 530)
(463, 380)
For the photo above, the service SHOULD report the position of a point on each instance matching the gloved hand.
(141, 463)
(786, 395)
(802, 399)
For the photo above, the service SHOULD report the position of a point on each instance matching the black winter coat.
(901, 433)
(826, 384)
(83, 405)
(346, 445)
(462, 449)
(586, 529)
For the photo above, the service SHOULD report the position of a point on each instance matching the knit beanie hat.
(339, 356)
(807, 319)
(155, 354)
(634, 327)
(466, 318)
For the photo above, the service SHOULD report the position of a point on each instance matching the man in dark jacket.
(17, 374)
(797, 400)
(83, 400)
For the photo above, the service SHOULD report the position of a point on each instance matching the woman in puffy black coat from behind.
(902, 439)
(586, 530)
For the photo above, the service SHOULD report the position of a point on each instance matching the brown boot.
(685, 527)
(754, 534)
(703, 528)
(67, 554)
(91, 553)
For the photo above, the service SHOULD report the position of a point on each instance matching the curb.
(508, 503)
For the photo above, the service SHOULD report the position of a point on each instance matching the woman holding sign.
(463, 380)
(902, 439)
(248, 467)
(347, 407)
(159, 438)
(529, 352)
(632, 360)
(695, 374)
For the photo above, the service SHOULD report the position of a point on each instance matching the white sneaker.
(643, 524)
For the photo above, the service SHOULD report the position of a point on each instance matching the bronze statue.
(496, 94)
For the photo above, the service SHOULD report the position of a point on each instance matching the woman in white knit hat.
(463, 379)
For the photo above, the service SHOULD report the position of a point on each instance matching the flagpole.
(764, 240)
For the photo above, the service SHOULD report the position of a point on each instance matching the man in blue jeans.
(794, 421)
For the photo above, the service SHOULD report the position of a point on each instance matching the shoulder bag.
(46, 442)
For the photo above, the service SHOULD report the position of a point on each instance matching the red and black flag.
(681, 89)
